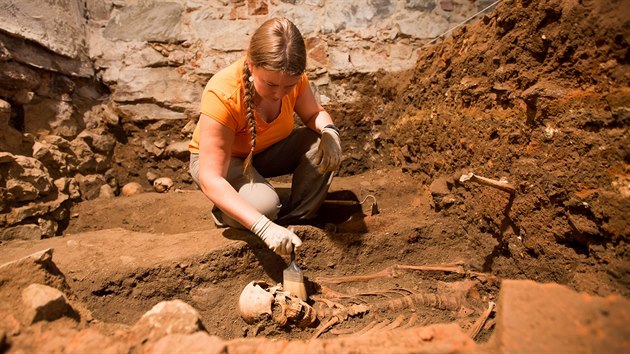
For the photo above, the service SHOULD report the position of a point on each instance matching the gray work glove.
(328, 156)
(276, 237)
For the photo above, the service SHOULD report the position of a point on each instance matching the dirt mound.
(536, 92)
(524, 51)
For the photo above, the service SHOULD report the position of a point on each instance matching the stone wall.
(142, 48)
(97, 93)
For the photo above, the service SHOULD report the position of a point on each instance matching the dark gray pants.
(289, 156)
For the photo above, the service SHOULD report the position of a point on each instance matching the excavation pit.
(211, 280)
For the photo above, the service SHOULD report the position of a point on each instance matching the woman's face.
(272, 85)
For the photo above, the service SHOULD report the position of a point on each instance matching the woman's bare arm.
(313, 115)
(215, 147)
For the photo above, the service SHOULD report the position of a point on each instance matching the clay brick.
(551, 318)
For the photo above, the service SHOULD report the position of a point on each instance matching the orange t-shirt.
(223, 101)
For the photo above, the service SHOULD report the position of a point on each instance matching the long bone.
(501, 185)
(392, 272)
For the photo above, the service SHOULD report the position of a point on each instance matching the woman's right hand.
(279, 239)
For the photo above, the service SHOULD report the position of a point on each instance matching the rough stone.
(420, 5)
(106, 192)
(41, 257)
(53, 157)
(131, 188)
(53, 116)
(155, 85)
(231, 32)
(6, 157)
(5, 54)
(22, 191)
(424, 26)
(17, 76)
(168, 317)
(41, 57)
(21, 232)
(10, 138)
(98, 141)
(48, 228)
(98, 10)
(441, 192)
(148, 21)
(74, 191)
(49, 25)
(26, 178)
(178, 149)
(39, 209)
(44, 303)
(90, 185)
(147, 112)
(86, 160)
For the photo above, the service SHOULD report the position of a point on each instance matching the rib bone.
(476, 327)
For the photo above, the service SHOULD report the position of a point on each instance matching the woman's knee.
(307, 136)
(263, 197)
(308, 143)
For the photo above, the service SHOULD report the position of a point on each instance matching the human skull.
(255, 302)
(162, 184)
(259, 300)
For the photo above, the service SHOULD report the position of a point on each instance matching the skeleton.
(404, 300)
(259, 301)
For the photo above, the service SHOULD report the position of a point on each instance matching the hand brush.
(293, 279)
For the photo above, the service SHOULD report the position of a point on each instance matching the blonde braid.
(251, 120)
(277, 45)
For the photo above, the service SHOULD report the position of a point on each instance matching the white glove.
(328, 156)
(276, 237)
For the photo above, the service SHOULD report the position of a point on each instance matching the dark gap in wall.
(16, 118)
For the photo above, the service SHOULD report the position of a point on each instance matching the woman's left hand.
(328, 156)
